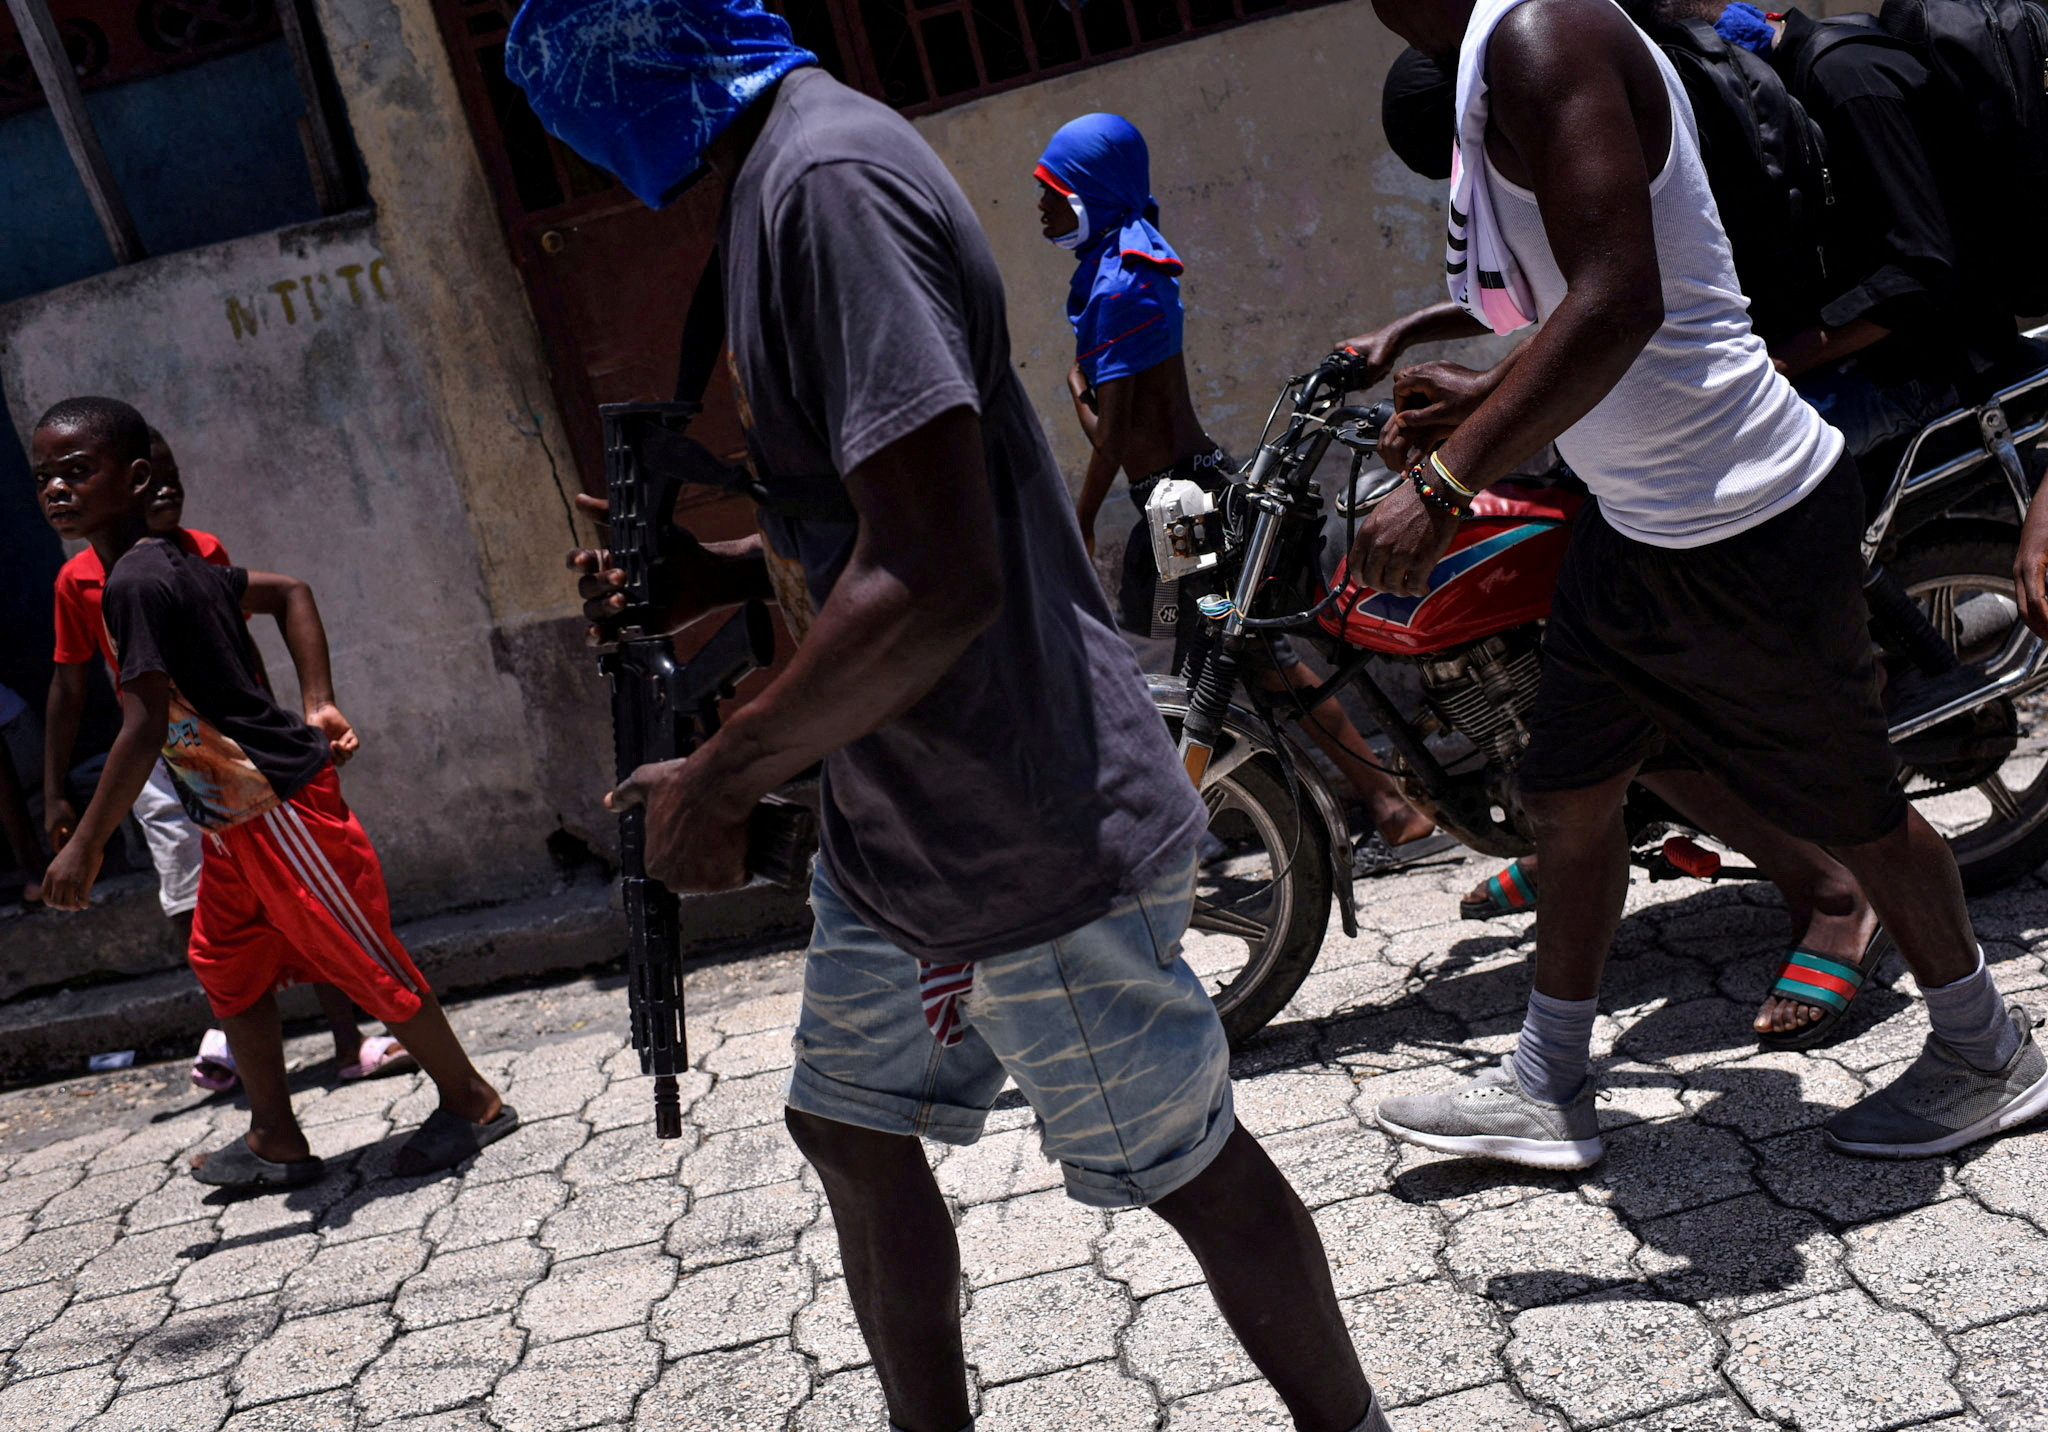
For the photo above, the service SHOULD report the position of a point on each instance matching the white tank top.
(1702, 438)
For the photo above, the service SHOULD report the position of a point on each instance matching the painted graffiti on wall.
(310, 296)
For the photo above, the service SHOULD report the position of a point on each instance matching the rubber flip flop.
(213, 1068)
(446, 1139)
(237, 1166)
(380, 1054)
(1511, 892)
(1824, 982)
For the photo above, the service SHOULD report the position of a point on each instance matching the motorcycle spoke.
(1217, 921)
(2004, 804)
(1941, 612)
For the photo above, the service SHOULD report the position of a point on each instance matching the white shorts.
(173, 842)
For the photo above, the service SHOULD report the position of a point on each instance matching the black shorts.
(1749, 658)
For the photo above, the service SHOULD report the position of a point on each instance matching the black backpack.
(1766, 162)
(1991, 59)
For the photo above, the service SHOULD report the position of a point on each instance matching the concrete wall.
(287, 376)
(1274, 183)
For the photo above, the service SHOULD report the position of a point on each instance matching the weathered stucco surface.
(1274, 183)
(284, 373)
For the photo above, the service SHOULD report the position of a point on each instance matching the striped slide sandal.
(1511, 892)
(1827, 983)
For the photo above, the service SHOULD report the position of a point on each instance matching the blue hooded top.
(642, 86)
(1125, 299)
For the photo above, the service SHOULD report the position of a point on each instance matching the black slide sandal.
(446, 1139)
(237, 1166)
(1824, 982)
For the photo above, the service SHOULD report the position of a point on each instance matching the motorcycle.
(1964, 678)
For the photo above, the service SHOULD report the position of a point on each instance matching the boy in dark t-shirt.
(290, 889)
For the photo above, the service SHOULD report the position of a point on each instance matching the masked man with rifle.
(1008, 846)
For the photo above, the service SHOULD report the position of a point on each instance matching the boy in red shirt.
(172, 838)
(291, 888)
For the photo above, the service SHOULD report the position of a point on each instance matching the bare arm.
(305, 636)
(921, 584)
(1108, 434)
(1383, 346)
(145, 715)
(1571, 131)
(61, 715)
(1817, 347)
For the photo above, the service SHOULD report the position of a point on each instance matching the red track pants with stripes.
(297, 894)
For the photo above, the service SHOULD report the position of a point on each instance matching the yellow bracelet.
(1445, 473)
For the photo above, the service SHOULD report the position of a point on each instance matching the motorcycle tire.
(1255, 802)
(2013, 842)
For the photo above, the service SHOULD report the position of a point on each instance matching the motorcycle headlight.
(1187, 532)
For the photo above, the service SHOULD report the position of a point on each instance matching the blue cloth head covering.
(1124, 302)
(1746, 26)
(642, 86)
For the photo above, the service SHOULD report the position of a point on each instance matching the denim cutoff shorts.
(1107, 1032)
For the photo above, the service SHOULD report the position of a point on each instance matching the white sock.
(1970, 1017)
(1555, 1047)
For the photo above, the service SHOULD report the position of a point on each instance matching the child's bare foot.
(1397, 821)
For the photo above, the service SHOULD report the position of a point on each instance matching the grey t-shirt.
(1034, 785)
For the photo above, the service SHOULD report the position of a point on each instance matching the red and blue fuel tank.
(1498, 574)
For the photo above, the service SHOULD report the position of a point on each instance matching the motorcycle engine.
(1484, 689)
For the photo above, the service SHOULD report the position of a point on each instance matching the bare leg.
(1397, 821)
(1266, 1268)
(340, 1012)
(428, 1038)
(1584, 848)
(257, 1038)
(1913, 881)
(1829, 914)
(902, 1264)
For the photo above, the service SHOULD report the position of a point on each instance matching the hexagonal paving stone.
(27, 1193)
(322, 1412)
(826, 1329)
(1716, 1414)
(197, 1406)
(552, 1093)
(596, 1294)
(1954, 1264)
(1179, 1342)
(1740, 1256)
(155, 1143)
(727, 1391)
(1497, 1407)
(1022, 1237)
(1598, 1361)
(1801, 1170)
(2003, 1370)
(578, 1383)
(59, 1253)
(1095, 1398)
(1292, 1099)
(999, 1166)
(473, 1283)
(1332, 1161)
(844, 1403)
(197, 1342)
(731, 1305)
(1424, 1340)
(71, 1153)
(182, 1200)
(540, 1147)
(1042, 1324)
(2011, 1176)
(733, 1226)
(309, 1355)
(424, 1372)
(746, 1158)
(492, 1213)
(1810, 1364)
(1541, 1250)
(26, 1309)
(745, 1103)
(1244, 1407)
(1667, 1167)
(395, 1205)
(91, 1333)
(56, 1403)
(347, 1275)
(1690, 1035)
(604, 1217)
(1770, 1094)
(241, 1270)
(1403, 1037)
(101, 1195)
(1142, 1251)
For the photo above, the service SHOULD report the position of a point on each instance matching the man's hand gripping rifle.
(662, 711)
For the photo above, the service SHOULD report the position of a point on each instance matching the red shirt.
(81, 631)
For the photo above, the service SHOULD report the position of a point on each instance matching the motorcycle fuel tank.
(1498, 574)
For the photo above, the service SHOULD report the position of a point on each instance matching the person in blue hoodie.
(1129, 383)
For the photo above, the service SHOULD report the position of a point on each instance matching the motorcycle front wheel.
(1982, 780)
(1262, 896)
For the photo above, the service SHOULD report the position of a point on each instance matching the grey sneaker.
(1942, 1103)
(1492, 1117)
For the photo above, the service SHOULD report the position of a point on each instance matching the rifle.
(662, 711)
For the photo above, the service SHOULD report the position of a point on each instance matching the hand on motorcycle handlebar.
(1374, 352)
(2030, 569)
(1432, 399)
(1399, 543)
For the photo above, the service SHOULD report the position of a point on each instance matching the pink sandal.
(213, 1068)
(380, 1054)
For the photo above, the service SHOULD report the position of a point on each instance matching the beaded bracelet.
(1443, 472)
(1435, 493)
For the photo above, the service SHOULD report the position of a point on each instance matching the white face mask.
(1080, 234)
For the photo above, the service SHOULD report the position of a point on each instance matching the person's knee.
(1567, 815)
(845, 1151)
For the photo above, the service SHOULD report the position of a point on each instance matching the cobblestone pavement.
(1719, 1272)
